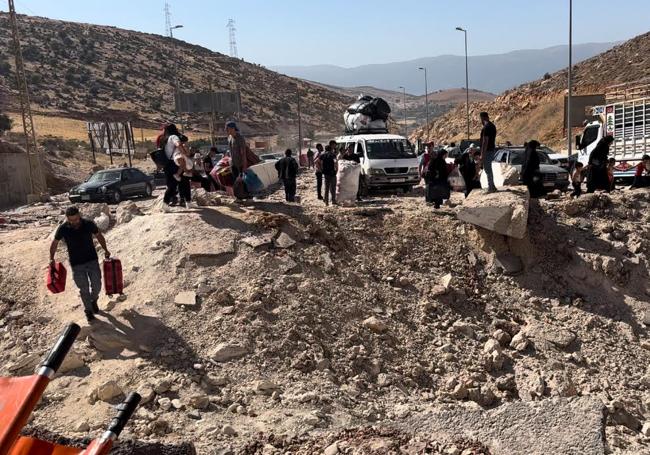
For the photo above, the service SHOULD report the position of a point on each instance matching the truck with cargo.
(627, 119)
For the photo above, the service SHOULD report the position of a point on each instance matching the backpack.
(329, 164)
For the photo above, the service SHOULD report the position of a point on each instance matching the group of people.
(599, 172)
(435, 170)
(183, 164)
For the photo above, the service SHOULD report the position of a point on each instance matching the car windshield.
(517, 157)
(383, 149)
(105, 177)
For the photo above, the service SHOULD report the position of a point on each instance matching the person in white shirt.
(175, 148)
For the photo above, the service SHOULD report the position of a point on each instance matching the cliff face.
(535, 110)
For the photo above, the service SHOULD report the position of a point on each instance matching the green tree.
(5, 124)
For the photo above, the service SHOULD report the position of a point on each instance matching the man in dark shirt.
(488, 148)
(329, 166)
(287, 169)
(78, 233)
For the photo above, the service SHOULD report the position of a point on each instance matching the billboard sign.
(119, 136)
(207, 102)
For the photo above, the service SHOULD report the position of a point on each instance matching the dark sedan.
(113, 185)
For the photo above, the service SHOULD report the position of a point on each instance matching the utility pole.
(426, 93)
(37, 179)
(233, 41)
(169, 29)
(212, 117)
(460, 29)
(570, 84)
(299, 125)
(406, 133)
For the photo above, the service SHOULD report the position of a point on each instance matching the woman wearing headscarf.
(530, 174)
(437, 186)
(597, 177)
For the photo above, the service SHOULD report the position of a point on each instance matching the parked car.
(271, 157)
(554, 176)
(561, 160)
(113, 185)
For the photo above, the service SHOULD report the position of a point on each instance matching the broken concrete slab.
(554, 426)
(504, 212)
(186, 299)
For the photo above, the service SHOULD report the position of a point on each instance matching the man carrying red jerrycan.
(77, 233)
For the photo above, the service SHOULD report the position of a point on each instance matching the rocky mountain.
(88, 71)
(535, 109)
(491, 73)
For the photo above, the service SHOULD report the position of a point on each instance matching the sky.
(356, 32)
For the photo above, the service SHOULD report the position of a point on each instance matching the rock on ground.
(504, 212)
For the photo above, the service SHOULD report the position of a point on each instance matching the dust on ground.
(324, 328)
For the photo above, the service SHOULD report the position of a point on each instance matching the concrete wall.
(14, 176)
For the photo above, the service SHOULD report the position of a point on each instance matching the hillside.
(535, 110)
(85, 71)
(492, 73)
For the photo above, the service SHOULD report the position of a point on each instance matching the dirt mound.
(300, 320)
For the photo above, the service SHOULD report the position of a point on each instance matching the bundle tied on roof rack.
(367, 115)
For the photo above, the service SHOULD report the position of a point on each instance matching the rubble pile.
(275, 328)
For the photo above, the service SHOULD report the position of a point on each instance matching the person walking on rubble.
(329, 166)
(318, 170)
(530, 174)
(488, 148)
(287, 169)
(78, 233)
(597, 177)
(437, 185)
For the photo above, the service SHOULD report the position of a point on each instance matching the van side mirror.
(579, 141)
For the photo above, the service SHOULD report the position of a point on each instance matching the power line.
(233, 40)
(168, 20)
(38, 184)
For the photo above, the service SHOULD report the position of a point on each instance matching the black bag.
(159, 157)
(380, 109)
(360, 105)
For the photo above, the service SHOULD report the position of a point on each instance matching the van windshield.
(386, 149)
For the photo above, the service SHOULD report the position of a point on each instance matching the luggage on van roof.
(367, 115)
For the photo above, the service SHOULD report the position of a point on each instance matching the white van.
(387, 160)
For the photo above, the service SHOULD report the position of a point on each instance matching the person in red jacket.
(642, 174)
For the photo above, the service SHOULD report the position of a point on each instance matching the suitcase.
(55, 278)
(113, 282)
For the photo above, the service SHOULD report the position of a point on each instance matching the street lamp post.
(176, 83)
(406, 133)
(570, 85)
(426, 92)
(460, 29)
